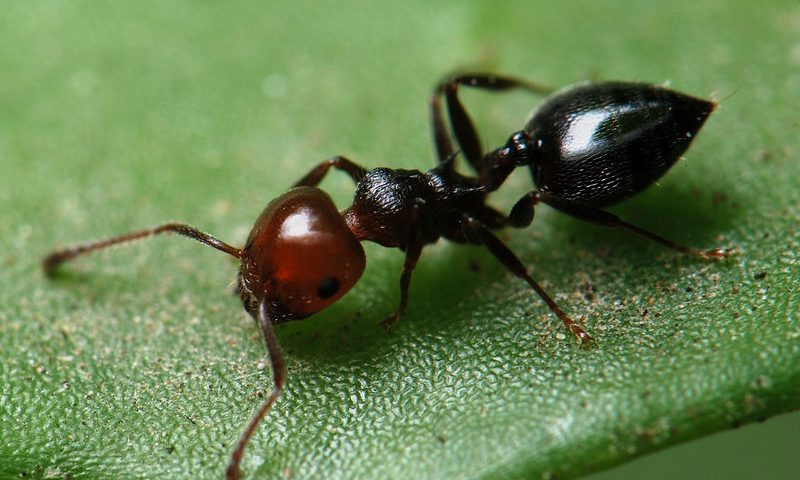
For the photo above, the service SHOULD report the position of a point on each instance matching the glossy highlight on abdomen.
(600, 144)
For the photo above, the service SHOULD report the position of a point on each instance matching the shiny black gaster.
(600, 144)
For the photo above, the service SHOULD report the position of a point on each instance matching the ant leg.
(53, 260)
(463, 127)
(278, 377)
(317, 173)
(606, 219)
(413, 252)
(521, 215)
(476, 230)
(420, 223)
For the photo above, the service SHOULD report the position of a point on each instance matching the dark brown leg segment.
(317, 173)
(412, 255)
(502, 253)
(421, 222)
(463, 127)
(523, 212)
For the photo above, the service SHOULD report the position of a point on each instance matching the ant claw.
(721, 252)
(586, 340)
(389, 321)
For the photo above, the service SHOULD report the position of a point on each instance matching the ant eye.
(328, 287)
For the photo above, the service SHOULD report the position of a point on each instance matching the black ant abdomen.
(600, 144)
(587, 147)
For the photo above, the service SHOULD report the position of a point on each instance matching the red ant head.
(300, 255)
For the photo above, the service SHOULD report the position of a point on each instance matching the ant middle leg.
(462, 126)
(312, 178)
(522, 215)
(477, 231)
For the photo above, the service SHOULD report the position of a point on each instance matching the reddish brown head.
(300, 255)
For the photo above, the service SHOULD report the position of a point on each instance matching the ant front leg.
(317, 173)
(462, 126)
(422, 224)
(522, 214)
(412, 255)
(477, 231)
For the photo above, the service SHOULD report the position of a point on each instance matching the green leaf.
(139, 363)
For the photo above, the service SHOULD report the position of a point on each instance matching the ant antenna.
(279, 378)
(51, 262)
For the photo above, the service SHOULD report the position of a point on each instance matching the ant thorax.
(392, 207)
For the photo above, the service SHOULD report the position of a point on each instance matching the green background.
(139, 363)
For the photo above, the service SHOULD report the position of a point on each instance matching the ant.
(587, 147)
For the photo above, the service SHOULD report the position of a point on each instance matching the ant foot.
(721, 252)
(389, 321)
(232, 473)
(585, 339)
(51, 263)
(575, 329)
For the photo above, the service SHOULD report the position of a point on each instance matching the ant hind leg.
(601, 217)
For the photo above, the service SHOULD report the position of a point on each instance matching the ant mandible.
(587, 147)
